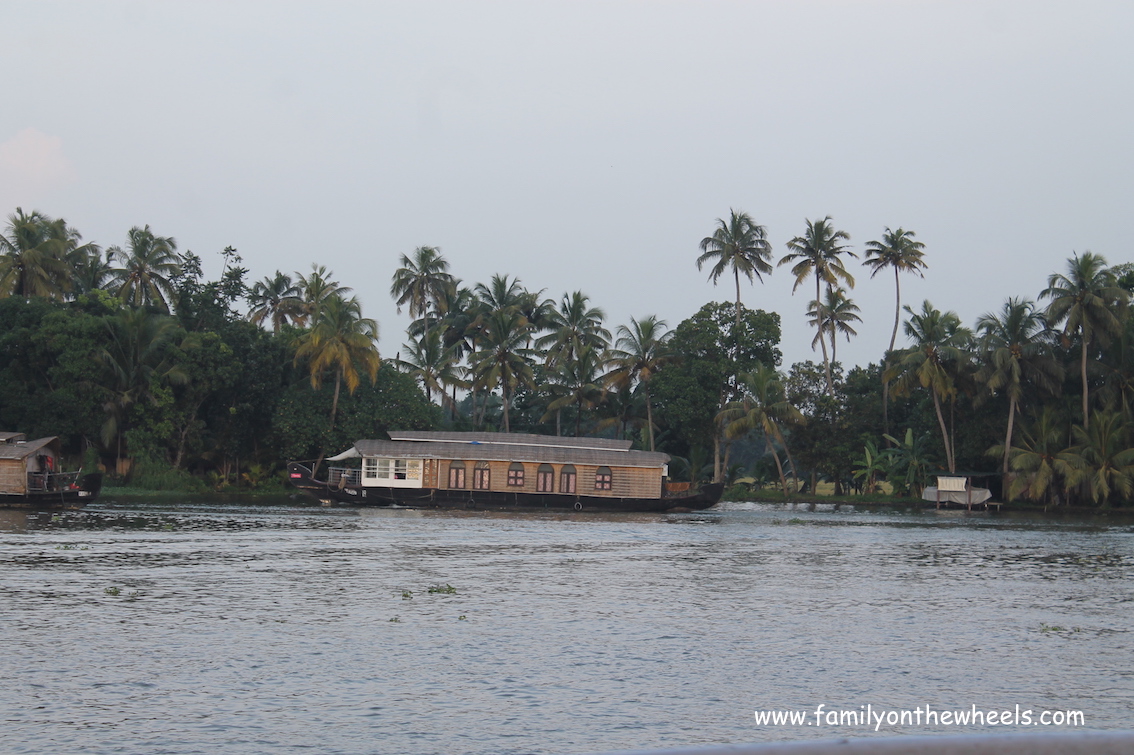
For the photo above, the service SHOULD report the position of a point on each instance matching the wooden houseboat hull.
(301, 478)
(85, 491)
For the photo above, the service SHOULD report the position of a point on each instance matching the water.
(289, 629)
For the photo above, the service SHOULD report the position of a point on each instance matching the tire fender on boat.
(578, 505)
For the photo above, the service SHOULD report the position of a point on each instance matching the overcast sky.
(583, 145)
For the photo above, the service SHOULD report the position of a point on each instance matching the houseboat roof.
(21, 449)
(510, 439)
(492, 450)
(6, 437)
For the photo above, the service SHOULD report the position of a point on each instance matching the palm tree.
(836, 313)
(940, 346)
(276, 299)
(1104, 460)
(503, 358)
(1087, 298)
(739, 244)
(577, 382)
(318, 288)
(816, 253)
(1016, 351)
(420, 281)
(763, 407)
(1040, 457)
(137, 359)
(92, 271)
(433, 363)
(639, 352)
(573, 327)
(37, 256)
(901, 251)
(341, 340)
(146, 267)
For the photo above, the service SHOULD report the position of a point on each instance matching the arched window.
(456, 474)
(482, 476)
(545, 479)
(516, 475)
(603, 478)
(567, 479)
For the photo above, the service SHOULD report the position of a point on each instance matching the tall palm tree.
(317, 288)
(276, 299)
(817, 253)
(342, 341)
(940, 345)
(573, 326)
(92, 270)
(901, 251)
(420, 281)
(639, 352)
(1087, 299)
(504, 358)
(146, 268)
(1103, 458)
(836, 313)
(577, 382)
(763, 407)
(37, 255)
(433, 363)
(1015, 351)
(740, 244)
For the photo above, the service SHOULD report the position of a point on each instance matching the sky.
(584, 145)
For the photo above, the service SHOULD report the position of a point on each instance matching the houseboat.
(503, 471)
(30, 475)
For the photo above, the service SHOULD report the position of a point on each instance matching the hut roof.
(551, 453)
(6, 437)
(23, 449)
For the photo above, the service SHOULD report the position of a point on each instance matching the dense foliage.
(139, 363)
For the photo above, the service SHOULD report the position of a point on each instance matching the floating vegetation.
(1053, 628)
(395, 620)
(408, 594)
(462, 617)
(112, 591)
(134, 594)
(446, 589)
(71, 548)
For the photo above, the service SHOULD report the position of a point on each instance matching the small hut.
(27, 466)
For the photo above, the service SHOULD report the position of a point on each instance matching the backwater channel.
(165, 627)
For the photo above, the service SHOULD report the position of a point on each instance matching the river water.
(198, 628)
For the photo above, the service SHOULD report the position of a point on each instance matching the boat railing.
(343, 476)
(42, 482)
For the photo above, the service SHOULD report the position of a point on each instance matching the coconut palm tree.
(343, 341)
(92, 269)
(901, 251)
(837, 313)
(137, 359)
(37, 255)
(433, 363)
(1088, 299)
(817, 253)
(146, 268)
(640, 350)
(420, 281)
(276, 299)
(1103, 458)
(764, 406)
(1040, 458)
(940, 346)
(573, 326)
(578, 383)
(503, 357)
(1016, 351)
(740, 244)
(317, 288)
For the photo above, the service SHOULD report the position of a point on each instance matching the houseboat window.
(482, 476)
(400, 467)
(603, 478)
(567, 479)
(370, 468)
(385, 468)
(456, 474)
(413, 469)
(545, 479)
(516, 475)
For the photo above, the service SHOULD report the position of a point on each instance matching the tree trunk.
(822, 340)
(779, 466)
(1083, 375)
(886, 361)
(716, 457)
(649, 414)
(736, 272)
(724, 465)
(504, 393)
(1005, 475)
(944, 432)
(335, 400)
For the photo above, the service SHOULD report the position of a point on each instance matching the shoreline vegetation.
(169, 381)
